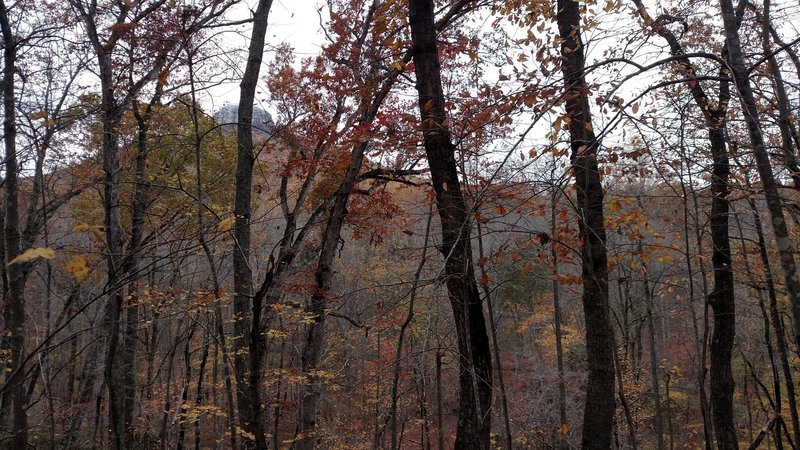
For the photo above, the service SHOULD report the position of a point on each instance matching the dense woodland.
(470, 224)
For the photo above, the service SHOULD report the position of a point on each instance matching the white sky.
(292, 22)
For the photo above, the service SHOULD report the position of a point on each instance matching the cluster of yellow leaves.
(43, 116)
(277, 334)
(226, 224)
(77, 266)
(33, 253)
(192, 412)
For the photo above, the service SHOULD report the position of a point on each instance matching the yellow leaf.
(78, 267)
(226, 224)
(564, 429)
(33, 253)
(613, 206)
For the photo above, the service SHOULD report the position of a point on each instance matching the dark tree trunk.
(475, 367)
(598, 418)
(12, 240)
(439, 406)
(111, 117)
(248, 352)
(721, 298)
(750, 110)
(140, 204)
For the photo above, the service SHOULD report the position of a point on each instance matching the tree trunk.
(111, 117)
(750, 109)
(12, 240)
(140, 204)
(598, 418)
(247, 338)
(775, 317)
(475, 367)
(439, 405)
(721, 298)
(562, 388)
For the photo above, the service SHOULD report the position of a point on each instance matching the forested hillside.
(469, 224)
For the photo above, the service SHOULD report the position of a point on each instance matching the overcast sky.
(293, 22)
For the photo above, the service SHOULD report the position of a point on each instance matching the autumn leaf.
(78, 267)
(613, 206)
(226, 224)
(563, 429)
(526, 268)
(529, 100)
(33, 253)
(557, 124)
